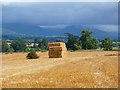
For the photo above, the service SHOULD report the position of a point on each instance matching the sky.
(101, 15)
(59, 1)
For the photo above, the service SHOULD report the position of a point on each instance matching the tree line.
(83, 42)
(86, 41)
(20, 45)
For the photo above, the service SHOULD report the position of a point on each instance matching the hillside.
(37, 31)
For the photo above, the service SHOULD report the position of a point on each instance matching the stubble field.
(98, 69)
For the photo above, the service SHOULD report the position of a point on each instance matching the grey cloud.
(107, 28)
(61, 13)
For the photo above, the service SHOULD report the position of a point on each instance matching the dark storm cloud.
(61, 13)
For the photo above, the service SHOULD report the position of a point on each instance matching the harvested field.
(98, 69)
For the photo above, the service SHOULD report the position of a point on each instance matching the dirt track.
(77, 69)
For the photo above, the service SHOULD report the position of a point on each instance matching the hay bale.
(53, 44)
(57, 49)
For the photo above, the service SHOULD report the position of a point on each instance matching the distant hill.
(17, 29)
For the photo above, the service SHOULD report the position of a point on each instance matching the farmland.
(86, 69)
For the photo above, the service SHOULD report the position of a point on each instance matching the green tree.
(95, 43)
(107, 44)
(73, 42)
(86, 38)
(6, 47)
(43, 44)
(36, 40)
(87, 41)
(18, 45)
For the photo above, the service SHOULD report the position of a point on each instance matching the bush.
(18, 45)
(6, 48)
(76, 47)
(32, 55)
(107, 44)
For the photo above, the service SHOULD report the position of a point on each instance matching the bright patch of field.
(78, 69)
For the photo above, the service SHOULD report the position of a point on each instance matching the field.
(98, 69)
